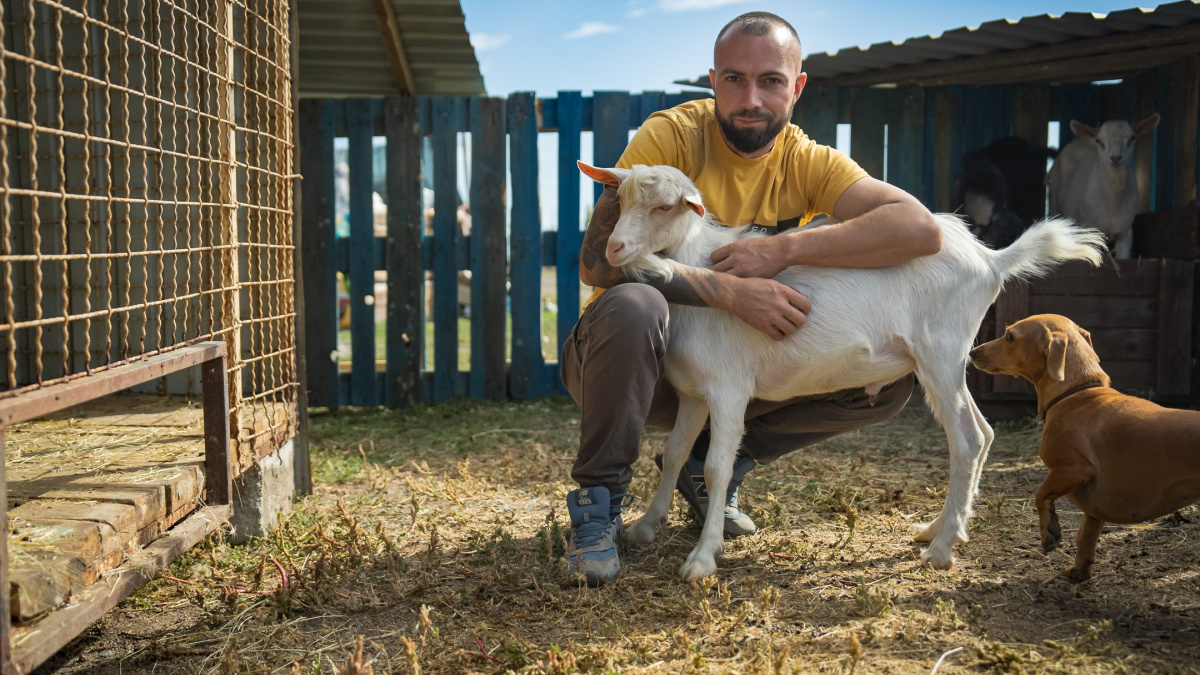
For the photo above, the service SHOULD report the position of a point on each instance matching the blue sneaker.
(595, 530)
(691, 485)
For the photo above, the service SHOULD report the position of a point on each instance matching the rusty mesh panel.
(145, 195)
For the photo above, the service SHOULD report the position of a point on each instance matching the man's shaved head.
(759, 24)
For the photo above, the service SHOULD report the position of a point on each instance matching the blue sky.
(640, 45)
(644, 45)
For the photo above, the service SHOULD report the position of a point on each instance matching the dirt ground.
(434, 535)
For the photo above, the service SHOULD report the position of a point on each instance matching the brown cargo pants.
(612, 366)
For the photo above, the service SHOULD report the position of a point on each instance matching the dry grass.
(431, 546)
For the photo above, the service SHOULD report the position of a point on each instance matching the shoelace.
(702, 490)
(591, 532)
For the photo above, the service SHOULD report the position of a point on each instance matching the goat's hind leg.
(947, 395)
(726, 424)
(689, 421)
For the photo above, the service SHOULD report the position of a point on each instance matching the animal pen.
(146, 188)
(908, 124)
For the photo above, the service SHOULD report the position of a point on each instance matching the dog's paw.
(1077, 574)
(1053, 536)
(641, 532)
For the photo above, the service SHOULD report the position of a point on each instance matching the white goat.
(867, 328)
(1092, 180)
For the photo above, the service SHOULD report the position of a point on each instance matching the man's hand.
(767, 306)
(760, 258)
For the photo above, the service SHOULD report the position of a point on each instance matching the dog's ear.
(1086, 336)
(1056, 356)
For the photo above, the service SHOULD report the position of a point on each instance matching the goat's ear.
(1056, 356)
(612, 177)
(694, 203)
(1148, 124)
(1082, 129)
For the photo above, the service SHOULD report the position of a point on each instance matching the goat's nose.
(615, 246)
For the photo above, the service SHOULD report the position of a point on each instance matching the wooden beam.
(386, 14)
(1084, 69)
(962, 69)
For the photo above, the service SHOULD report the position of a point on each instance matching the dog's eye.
(1008, 337)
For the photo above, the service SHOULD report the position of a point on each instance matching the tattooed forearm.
(691, 286)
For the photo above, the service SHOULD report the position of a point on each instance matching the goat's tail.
(1051, 241)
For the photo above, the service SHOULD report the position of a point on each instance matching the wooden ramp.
(102, 491)
(89, 487)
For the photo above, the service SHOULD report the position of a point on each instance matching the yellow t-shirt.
(785, 188)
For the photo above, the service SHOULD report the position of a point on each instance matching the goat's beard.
(752, 139)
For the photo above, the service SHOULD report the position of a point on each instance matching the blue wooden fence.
(927, 130)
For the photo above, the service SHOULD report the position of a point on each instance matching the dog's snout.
(974, 353)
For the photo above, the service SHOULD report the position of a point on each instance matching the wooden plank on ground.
(445, 237)
(527, 372)
(906, 139)
(42, 580)
(570, 234)
(317, 214)
(405, 277)
(610, 130)
(1011, 306)
(1175, 328)
(489, 247)
(359, 126)
(867, 117)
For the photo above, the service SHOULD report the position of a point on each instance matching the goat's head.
(1114, 139)
(657, 207)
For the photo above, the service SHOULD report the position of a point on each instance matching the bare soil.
(434, 535)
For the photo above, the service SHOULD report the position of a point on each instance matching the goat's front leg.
(726, 423)
(689, 421)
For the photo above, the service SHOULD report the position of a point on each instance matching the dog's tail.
(1045, 244)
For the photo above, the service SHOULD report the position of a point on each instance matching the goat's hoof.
(938, 558)
(697, 567)
(641, 532)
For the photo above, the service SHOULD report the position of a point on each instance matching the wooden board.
(489, 247)
(318, 235)
(570, 234)
(445, 237)
(526, 374)
(359, 116)
(405, 278)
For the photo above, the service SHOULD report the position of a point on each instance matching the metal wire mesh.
(145, 194)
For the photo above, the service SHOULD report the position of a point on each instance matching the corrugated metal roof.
(343, 51)
(1073, 47)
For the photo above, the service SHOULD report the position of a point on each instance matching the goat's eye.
(666, 207)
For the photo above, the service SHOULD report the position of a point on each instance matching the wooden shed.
(915, 107)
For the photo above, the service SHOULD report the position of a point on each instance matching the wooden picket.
(915, 135)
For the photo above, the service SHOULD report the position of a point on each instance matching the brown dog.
(1118, 458)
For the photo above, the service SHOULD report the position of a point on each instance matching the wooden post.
(360, 127)
(405, 276)
(218, 479)
(570, 235)
(1145, 100)
(528, 364)
(303, 467)
(6, 664)
(230, 321)
(446, 233)
(1187, 90)
(316, 249)
(488, 249)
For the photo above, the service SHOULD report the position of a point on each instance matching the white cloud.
(635, 13)
(482, 42)
(590, 28)
(690, 5)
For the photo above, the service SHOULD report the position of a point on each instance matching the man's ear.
(1056, 356)
(801, 79)
(612, 177)
(694, 203)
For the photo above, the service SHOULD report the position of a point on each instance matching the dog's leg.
(689, 421)
(948, 398)
(726, 424)
(1061, 480)
(1085, 544)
